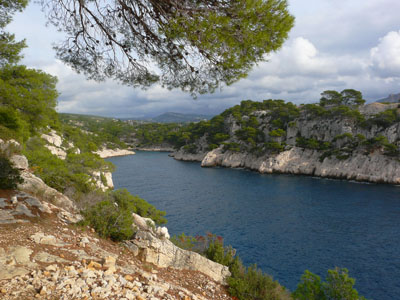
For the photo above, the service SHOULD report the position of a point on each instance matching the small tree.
(9, 176)
(338, 286)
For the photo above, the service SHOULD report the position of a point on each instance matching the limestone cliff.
(362, 145)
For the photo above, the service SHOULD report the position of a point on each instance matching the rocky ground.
(44, 255)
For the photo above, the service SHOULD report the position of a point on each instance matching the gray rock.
(48, 258)
(20, 162)
(3, 203)
(21, 209)
(164, 253)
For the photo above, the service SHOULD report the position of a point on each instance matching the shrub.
(112, 216)
(235, 147)
(9, 176)
(274, 147)
(183, 241)
(253, 284)
(338, 286)
(277, 132)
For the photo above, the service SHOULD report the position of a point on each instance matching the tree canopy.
(27, 96)
(347, 97)
(189, 44)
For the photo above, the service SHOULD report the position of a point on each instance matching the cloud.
(385, 58)
(334, 45)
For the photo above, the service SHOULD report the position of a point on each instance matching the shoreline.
(358, 168)
(106, 153)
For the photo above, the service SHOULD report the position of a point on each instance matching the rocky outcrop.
(374, 167)
(330, 145)
(104, 153)
(156, 148)
(42, 257)
(103, 180)
(55, 144)
(182, 155)
(152, 245)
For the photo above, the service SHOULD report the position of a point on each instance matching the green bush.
(253, 284)
(274, 147)
(234, 147)
(112, 216)
(9, 176)
(277, 132)
(338, 286)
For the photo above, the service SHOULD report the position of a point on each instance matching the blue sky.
(335, 44)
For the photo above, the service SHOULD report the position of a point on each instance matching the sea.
(285, 224)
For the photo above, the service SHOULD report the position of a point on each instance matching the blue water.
(286, 224)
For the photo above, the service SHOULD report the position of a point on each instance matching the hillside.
(392, 98)
(355, 142)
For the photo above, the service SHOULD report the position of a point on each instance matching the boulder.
(163, 253)
(35, 186)
(20, 162)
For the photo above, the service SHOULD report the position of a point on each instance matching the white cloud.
(334, 45)
(385, 58)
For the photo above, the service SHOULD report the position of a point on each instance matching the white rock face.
(104, 153)
(96, 177)
(153, 246)
(53, 138)
(181, 155)
(374, 167)
(163, 253)
(34, 185)
(19, 162)
(54, 144)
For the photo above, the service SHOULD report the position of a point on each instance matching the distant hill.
(173, 117)
(392, 98)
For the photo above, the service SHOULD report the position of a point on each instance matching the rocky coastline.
(106, 153)
(375, 168)
(330, 146)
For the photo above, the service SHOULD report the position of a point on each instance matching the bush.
(244, 283)
(277, 132)
(112, 216)
(9, 176)
(338, 286)
(253, 284)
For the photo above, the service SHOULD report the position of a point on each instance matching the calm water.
(284, 223)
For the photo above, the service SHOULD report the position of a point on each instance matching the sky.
(334, 45)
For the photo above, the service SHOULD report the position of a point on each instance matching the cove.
(286, 224)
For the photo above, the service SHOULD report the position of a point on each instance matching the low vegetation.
(111, 217)
(250, 283)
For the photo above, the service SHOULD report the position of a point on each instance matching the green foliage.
(348, 97)
(75, 172)
(309, 288)
(112, 216)
(277, 132)
(346, 135)
(312, 143)
(384, 119)
(315, 110)
(216, 42)
(381, 142)
(183, 241)
(274, 147)
(32, 93)
(234, 147)
(338, 286)
(10, 49)
(253, 284)
(103, 132)
(9, 176)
